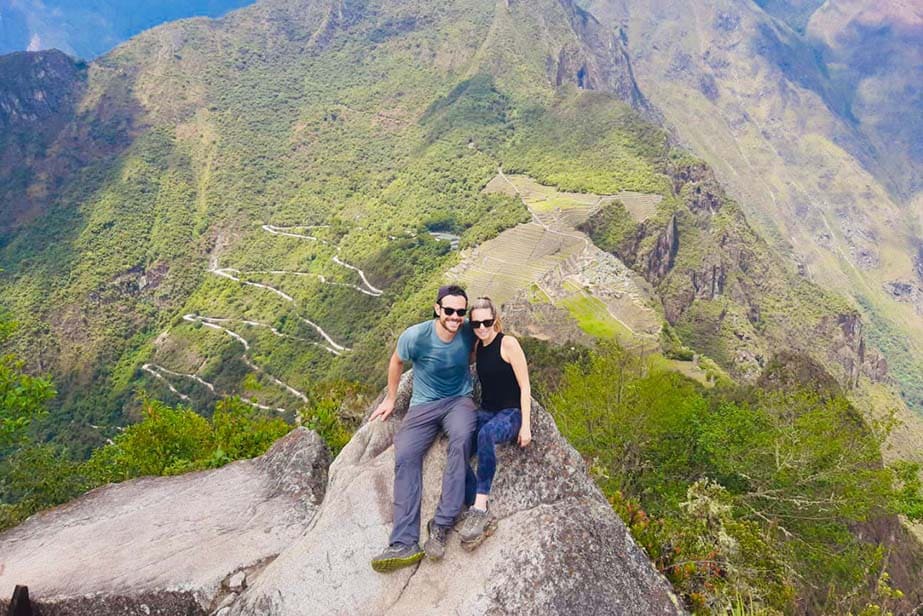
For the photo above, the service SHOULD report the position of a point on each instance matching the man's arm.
(395, 368)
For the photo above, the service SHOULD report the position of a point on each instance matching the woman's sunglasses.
(484, 323)
(450, 311)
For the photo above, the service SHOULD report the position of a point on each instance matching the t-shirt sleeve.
(406, 344)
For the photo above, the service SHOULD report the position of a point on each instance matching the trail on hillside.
(336, 347)
(157, 371)
(220, 323)
(273, 330)
(323, 279)
(214, 324)
(287, 231)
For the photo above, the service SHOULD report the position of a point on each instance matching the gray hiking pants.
(456, 417)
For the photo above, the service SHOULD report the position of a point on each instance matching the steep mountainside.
(239, 150)
(810, 115)
(873, 52)
(89, 28)
(236, 214)
(39, 94)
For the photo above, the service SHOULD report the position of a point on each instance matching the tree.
(22, 397)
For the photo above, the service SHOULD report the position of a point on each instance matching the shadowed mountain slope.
(810, 116)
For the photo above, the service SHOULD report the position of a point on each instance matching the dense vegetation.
(168, 441)
(741, 495)
(22, 396)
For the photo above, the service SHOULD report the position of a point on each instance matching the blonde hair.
(482, 303)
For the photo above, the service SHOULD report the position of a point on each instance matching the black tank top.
(499, 388)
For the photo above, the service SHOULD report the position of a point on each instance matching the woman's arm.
(511, 352)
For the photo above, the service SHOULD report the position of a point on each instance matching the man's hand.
(525, 436)
(384, 410)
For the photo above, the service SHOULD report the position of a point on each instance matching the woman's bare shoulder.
(509, 344)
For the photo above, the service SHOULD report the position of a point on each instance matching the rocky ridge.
(207, 543)
(39, 93)
(559, 548)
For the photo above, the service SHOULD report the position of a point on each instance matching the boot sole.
(488, 531)
(387, 565)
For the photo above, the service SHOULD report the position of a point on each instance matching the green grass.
(593, 317)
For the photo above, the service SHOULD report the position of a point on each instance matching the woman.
(505, 415)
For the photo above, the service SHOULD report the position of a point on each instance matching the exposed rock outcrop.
(559, 548)
(207, 543)
(39, 89)
(599, 62)
(726, 291)
(906, 292)
(661, 258)
(167, 545)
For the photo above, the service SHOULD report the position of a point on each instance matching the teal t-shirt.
(440, 369)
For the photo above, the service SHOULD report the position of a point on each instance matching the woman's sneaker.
(478, 526)
(396, 556)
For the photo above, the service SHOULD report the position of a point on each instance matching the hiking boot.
(396, 556)
(460, 519)
(438, 537)
(478, 526)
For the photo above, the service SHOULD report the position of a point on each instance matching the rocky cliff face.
(206, 543)
(601, 64)
(38, 88)
(726, 291)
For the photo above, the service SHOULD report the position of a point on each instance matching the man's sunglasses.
(450, 311)
(484, 323)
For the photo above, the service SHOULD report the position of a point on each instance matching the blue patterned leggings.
(493, 428)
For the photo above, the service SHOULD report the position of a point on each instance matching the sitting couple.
(440, 350)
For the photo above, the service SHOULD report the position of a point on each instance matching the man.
(441, 401)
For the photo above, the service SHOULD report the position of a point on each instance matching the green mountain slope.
(250, 122)
(243, 215)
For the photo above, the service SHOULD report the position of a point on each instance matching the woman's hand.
(525, 436)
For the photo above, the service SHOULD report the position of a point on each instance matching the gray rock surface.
(167, 545)
(559, 548)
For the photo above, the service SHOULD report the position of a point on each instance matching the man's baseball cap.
(450, 289)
